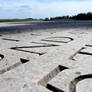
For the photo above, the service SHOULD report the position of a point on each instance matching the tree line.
(81, 16)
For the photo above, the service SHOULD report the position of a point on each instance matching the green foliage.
(16, 20)
(46, 19)
(59, 18)
(84, 16)
(81, 16)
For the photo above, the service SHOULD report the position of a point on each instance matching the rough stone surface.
(49, 60)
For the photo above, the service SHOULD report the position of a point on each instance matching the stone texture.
(46, 61)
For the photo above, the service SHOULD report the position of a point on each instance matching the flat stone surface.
(84, 86)
(46, 60)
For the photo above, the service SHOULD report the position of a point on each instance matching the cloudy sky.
(10, 9)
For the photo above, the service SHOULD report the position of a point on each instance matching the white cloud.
(25, 9)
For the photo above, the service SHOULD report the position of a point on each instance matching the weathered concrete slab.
(48, 60)
(72, 80)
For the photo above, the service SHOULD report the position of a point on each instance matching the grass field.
(16, 20)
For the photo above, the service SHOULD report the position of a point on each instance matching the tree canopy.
(81, 16)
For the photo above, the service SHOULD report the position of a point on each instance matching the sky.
(13, 9)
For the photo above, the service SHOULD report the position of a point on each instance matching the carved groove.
(51, 39)
(50, 76)
(85, 53)
(53, 89)
(73, 84)
(30, 52)
(20, 48)
(89, 45)
(1, 57)
(45, 43)
(10, 39)
(51, 45)
(78, 52)
(81, 52)
(22, 61)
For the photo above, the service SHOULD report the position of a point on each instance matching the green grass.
(16, 20)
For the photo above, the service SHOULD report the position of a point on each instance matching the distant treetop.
(81, 16)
